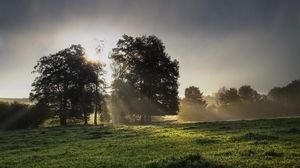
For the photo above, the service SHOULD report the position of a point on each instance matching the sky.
(217, 42)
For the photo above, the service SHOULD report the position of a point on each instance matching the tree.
(193, 94)
(288, 95)
(145, 77)
(192, 105)
(67, 83)
(247, 94)
(227, 97)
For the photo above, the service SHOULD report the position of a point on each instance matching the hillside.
(260, 143)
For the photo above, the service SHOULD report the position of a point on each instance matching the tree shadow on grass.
(254, 137)
(189, 161)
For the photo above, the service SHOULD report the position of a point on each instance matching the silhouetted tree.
(287, 93)
(194, 95)
(227, 97)
(247, 94)
(287, 96)
(192, 105)
(68, 83)
(144, 69)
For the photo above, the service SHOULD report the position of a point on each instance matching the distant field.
(261, 143)
(19, 100)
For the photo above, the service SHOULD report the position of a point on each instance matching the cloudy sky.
(217, 42)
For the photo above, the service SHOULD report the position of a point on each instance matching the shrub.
(20, 116)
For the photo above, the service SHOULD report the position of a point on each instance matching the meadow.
(256, 143)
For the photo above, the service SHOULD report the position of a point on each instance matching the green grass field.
(260, 143)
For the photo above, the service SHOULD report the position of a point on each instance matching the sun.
(91, 54)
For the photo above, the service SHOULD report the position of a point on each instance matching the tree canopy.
(69, 83)
(145, 77)
(227, 96)
(248, 94)
(193, 94)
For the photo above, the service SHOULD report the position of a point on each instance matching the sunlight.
(91, 55)
(90, 39)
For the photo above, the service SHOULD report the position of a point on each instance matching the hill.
(257, 143)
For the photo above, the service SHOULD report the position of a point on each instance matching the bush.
(20, 116)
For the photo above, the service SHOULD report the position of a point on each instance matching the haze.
(216, 42)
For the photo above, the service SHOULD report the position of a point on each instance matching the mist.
(231, 104)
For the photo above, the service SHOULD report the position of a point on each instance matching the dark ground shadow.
(189, 161)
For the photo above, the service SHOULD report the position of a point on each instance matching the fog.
(279, 102)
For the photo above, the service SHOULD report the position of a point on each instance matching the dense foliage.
(69, 84)
(145, 78)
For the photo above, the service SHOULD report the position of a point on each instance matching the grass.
(260, 143)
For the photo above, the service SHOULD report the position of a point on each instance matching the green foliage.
(239, 144)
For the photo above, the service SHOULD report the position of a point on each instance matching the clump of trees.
(145, 83)
(69, 84)
(227, 96)
(246, 103)
(287, 97)
(245, 94)
(145, 80)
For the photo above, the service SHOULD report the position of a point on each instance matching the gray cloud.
(218, 42)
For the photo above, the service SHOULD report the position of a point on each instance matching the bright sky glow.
(217, 43)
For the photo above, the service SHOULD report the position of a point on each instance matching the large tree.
(68, 83)
(145, 77)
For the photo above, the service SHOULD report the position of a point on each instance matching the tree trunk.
(145, 119)
(142, 119)
(149, 119)
(95, 115)
(96, 102)
(62, 113)
(85, 118)
(62, 119)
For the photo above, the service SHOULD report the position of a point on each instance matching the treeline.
(242, 103)
(145, 83)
